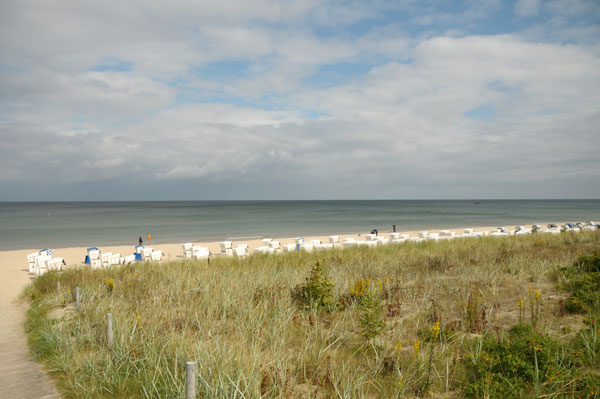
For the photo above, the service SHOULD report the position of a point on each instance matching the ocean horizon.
(59, 224)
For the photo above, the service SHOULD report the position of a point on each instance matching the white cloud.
(399, 129)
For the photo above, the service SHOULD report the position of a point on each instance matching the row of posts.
(190, 367)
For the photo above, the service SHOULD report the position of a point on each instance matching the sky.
(299, 99)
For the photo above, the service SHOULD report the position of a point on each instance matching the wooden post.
(77, 298)
(109, 330)
(58, 286)
(190, 380)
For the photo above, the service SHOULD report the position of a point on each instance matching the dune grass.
(484, 317)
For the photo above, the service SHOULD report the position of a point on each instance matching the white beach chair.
(422, 234)
(156, 255)
(446, 235)
(128, 259)
(42, 269)
(54, 264)
(97, 263)
(226, 248)
(323, 246)
(289, 247)
(114, 259)
(348, 242)
(94, 254)
(433, 236)
(147, 253)
(41, 265)
(335, 240)
(240, 251)
(31, 259)
(200, 252)
(370, 237)
(139, 249)
(276, 245)
(400, 238)
(308, 247)
(468, 233)
(187, 249)
(381, 240)
(105, 257)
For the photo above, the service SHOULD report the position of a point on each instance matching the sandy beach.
(20, 377)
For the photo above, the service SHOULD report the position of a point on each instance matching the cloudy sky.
(299, 99)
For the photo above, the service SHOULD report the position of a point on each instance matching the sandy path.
(20, 377)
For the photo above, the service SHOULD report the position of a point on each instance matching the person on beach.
(394, 227)
(141, 242)
(149, 238)
(374, 231)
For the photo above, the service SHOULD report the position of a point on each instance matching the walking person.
(141, 242)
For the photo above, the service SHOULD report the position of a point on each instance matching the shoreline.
(75, 255)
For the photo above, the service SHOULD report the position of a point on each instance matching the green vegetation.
(482, 318)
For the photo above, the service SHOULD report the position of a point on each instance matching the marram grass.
(433, 310)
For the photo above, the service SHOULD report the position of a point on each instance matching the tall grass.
(237, 319)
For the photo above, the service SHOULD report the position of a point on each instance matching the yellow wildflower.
(435, 330)
(417, 346)
(398, 347)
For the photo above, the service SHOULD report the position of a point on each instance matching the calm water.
(66, 224)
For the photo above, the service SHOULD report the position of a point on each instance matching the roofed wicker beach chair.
(335, 240)
(199, 252)
(399, 238)
(104, 257)
(289, 247)
(240, 250)
(147, 253)
(157, 255)
(226, 248)
(128, 259)
(54, 263)
(187, 249)
(31, 259)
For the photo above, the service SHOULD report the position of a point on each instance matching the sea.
(68, 224)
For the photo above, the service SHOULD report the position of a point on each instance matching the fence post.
(58, 286)
(109, 329)
(77, 298)
(190, 380)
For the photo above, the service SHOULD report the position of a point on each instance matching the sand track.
(20, 376)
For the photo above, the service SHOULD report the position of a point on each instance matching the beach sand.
(20, 377)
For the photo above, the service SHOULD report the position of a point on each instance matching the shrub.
(317, 292)
(371, 314)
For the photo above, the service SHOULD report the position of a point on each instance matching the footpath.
(20, 376)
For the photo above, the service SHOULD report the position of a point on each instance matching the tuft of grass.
(294, 326)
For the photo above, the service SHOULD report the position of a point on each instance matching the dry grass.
(236, 318)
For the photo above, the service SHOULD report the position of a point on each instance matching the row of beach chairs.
(99, 260)
(270, 246)
(42, 261)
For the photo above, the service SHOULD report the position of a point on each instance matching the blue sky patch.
(113, 64)
(483, 112)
